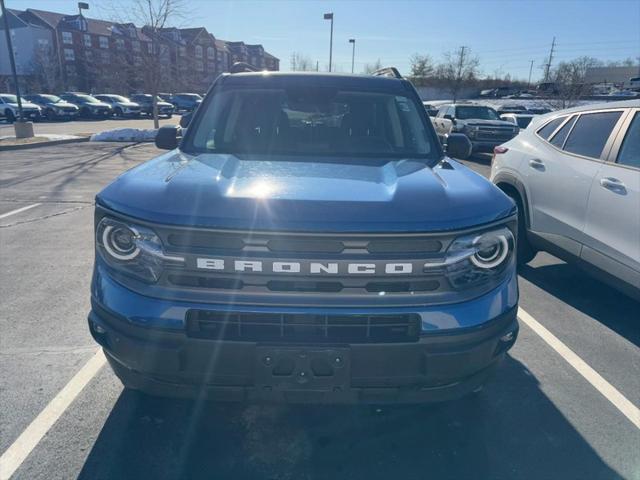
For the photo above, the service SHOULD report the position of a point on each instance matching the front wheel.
(10, 116)
(526, 252)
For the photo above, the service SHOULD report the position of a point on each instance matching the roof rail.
(240, 67)
(387, 72)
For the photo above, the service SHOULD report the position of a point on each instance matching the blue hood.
(279, 193)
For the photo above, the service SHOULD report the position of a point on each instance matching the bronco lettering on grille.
(307, 268)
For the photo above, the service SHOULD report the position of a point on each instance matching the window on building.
(120, 44)
(182, 51)
(149, 47)
(104, 42)
(71, 70)
(105, 57)
(43, 43)
(135, 45)
(69, 54)
(198, 51)
(199, 66)
(88, 55)
(137, 60)
(67, 38)
(87, 40)
(211, 53)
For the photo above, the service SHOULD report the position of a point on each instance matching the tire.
(84, 112)
(170, 115)
(525, 251)
(10, 116)
(118, 113)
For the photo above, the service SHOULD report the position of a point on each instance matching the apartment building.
(72, 52)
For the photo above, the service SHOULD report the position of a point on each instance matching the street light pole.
(353, 52)
(530, 70)
(329, 16)
(12, 60)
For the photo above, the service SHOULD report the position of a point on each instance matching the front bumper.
(149, 349)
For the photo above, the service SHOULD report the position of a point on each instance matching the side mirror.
(458, 146)
(185, 120)
(168, 137)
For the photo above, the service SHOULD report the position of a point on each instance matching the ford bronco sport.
(305, 239)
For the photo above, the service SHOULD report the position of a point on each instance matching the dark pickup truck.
(305, 239)
(481, 124)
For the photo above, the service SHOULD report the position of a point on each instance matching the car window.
(523, 122)
(9, 98)
(591, 133)
(630, 149)
(559, 138)
(478, 113)
(319, 121)
(546, 131)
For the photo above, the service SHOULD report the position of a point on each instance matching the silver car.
(575, 176)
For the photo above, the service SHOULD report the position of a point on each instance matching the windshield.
(476, 113)
(189, 96)
(119, 98)
(9, 98)
(51, 98)
(312, 121)
(87, 98)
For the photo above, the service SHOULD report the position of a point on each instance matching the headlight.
(132, 249)
(475, 259)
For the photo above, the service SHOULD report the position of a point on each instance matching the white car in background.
(522, 120)
(575, 176)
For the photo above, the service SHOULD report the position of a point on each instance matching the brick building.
(58, 52)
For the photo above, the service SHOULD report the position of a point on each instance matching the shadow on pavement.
(509, 431)
(592, 297)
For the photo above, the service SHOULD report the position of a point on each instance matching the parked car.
(146, 104)
(9, 108)
(511, 108)
(522, 120)
(431, 109)
(53, 107)
(317, 246)
(121, 106)
(624, 93)
(481, 124)
(575, 175)
(537, 110)
(634, 83)
(186, 102)
(90, 107)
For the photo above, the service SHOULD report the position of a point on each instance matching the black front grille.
(259, 327)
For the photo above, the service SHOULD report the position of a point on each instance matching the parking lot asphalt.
(85, 126)
(536, 419)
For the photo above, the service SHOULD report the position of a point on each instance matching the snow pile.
(125, 135)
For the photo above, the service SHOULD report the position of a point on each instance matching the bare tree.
(369, 68)
(153, 60)
(421, 68)
(569, 80)
(457, 68)
(301, 63)
(46, 68)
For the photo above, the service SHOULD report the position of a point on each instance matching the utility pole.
(548, 66)
(329, 16)
(23, 129)
(459, 74)
(530, 71)
(353, 52)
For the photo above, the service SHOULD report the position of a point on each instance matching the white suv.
(575, 176)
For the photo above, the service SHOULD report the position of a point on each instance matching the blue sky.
(505, 35)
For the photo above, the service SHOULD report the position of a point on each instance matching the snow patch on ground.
(125, 135)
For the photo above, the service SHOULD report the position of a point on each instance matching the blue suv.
(305, 239)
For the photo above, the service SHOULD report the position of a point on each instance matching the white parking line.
(612, 394)
(19, 450)
(19, 210)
